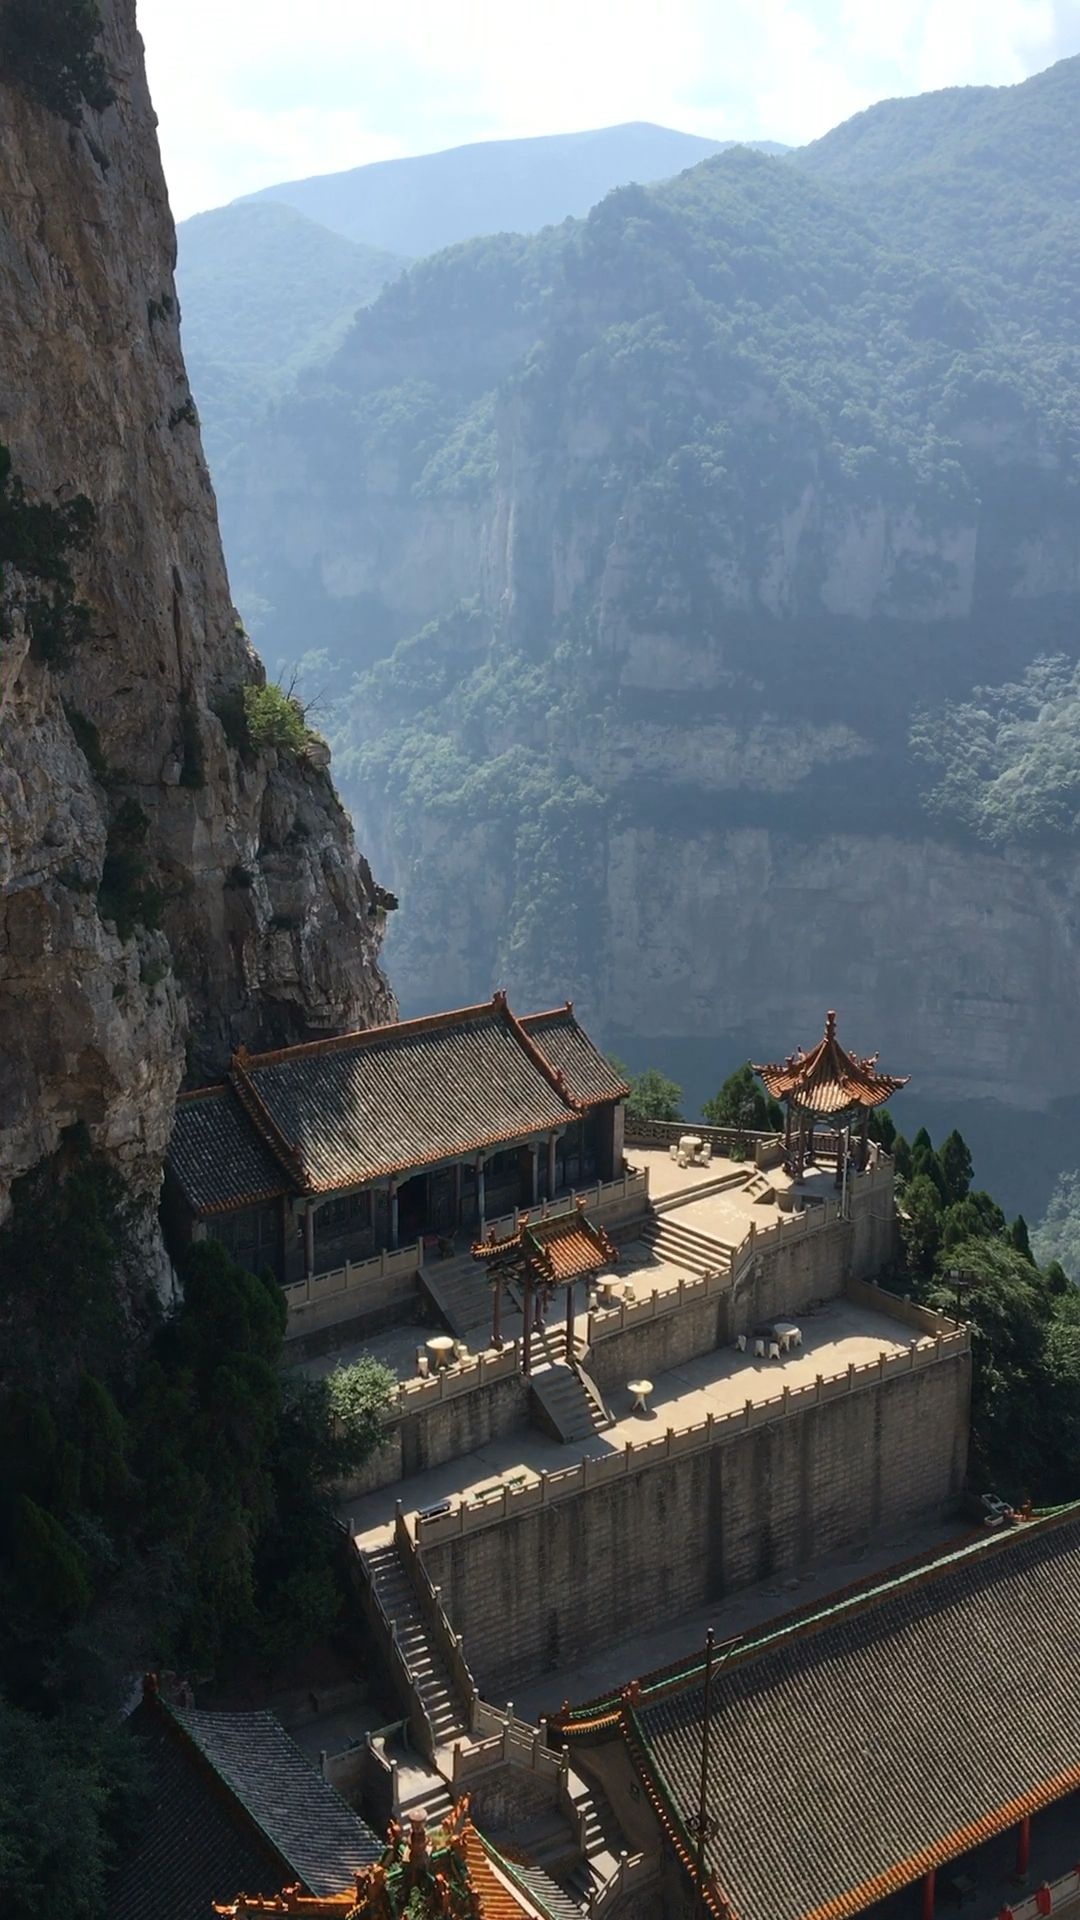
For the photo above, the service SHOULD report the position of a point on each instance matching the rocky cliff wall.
(270, 926)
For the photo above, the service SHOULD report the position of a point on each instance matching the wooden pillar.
(928, 1886)
(1023, 1845)
(496, 1309)
(787, 1133)
(457, 1195)
(391, 1188)
(309, 1238)
(526, 1344)
(534, 1173)
(570, 1322)
(480, 1197)
(864, 1140)
(800, 1147)
(551, 1167)
(841, 1151)
(283, 1239)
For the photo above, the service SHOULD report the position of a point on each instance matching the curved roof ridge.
(828, 1079)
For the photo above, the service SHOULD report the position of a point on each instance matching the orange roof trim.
(829, 1080)
(559, 1250)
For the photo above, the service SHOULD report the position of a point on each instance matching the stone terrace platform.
(836, 1335)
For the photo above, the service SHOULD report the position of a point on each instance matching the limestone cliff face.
(271, 926)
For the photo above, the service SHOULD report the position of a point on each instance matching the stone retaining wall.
(631, 1549)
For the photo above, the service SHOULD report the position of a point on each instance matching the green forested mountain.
(264, 292)
(671, 546)
(983, 182)
(421, 205)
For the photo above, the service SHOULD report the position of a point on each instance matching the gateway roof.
(558, 1250)
(338, 1113)
(853, 1750)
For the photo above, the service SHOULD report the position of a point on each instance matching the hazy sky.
(253, 91)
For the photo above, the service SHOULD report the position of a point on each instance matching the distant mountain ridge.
(264, 292)
(670, 545)
(433, 200)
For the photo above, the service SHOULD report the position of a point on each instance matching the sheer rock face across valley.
(270, 926)
(656, 538)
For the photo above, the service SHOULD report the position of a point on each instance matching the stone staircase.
(428, 1673)
(602, 1840)
(567, 1852)
(570, 1403)
(686, 1248)
(461, 1292)
(760, 1188)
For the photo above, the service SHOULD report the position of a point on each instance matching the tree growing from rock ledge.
(48, 50)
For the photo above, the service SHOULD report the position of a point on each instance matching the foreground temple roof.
(830, 1080)
(233, 1803)
(452, 1871)
(854, 1749)
(337, 1113)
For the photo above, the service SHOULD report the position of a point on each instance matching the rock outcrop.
(268, 923)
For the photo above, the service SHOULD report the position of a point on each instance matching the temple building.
(902, 1749)
(828, 1083)
(343, 1148)
(230, 1802)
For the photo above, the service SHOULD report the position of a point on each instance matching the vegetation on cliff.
(50, 51)
(1025, 1321)
(37, 541)
(1006, 762)
(165, 1501)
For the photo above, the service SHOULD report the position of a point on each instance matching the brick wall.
(534, 1593)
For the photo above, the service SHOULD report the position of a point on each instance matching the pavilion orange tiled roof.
(559, 1250)
(829, 1079)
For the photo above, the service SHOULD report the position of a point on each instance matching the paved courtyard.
(835, 1335)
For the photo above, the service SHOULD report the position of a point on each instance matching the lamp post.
(961, 1280)
(705, 1827)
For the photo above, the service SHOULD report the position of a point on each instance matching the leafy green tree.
(1018, 1237)
(954, 1155)
(275, 718)
(69, 1787)
(743, 1103)
(926, 1165)
(1057, 1237)
(921, 1224)
(653, 1096)
(1017, 1445)
(50, 1572)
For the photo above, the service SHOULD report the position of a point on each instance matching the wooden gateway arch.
(827, 1084)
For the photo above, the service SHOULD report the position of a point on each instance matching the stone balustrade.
(547, 1488)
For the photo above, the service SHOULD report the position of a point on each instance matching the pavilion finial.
(830, 1025)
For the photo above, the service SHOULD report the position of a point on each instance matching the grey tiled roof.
(217, 1157)
(588, 1075)
(192, 1845)
(336, 1113)
(850, 1754)
(397, 1097)
(323, 1840)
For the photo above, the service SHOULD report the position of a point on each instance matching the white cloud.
(252, 91)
